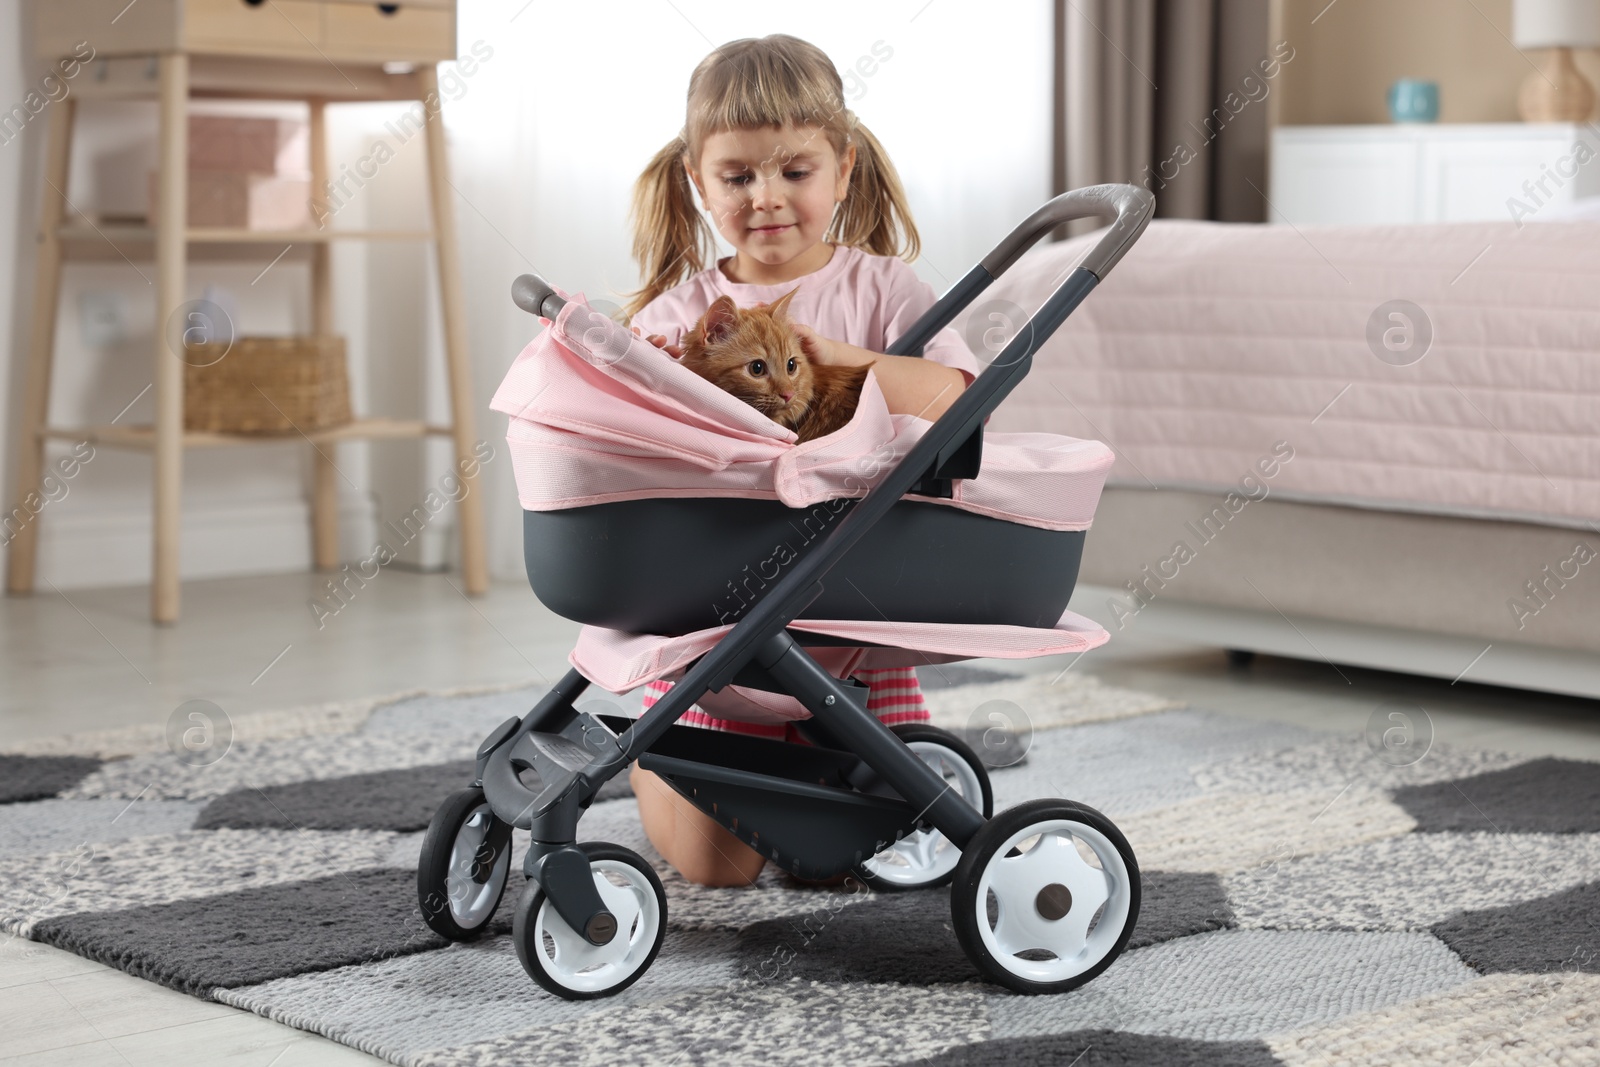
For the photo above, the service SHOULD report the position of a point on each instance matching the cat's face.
(752, 354)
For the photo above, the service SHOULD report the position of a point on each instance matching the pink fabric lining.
(599, 414)
(620, 662)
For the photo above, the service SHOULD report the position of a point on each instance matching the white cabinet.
(1430, 172)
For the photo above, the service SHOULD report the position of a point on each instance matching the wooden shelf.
(152, 55)
(133, 77)
(143, 436)
(114, 241)
(219, 236)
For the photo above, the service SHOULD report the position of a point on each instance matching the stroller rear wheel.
(461, 874)
(568, 964)
(1045, 896)
(926, 858)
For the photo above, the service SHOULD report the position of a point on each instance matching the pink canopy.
(599, 414)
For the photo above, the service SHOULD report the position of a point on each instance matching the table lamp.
(1557, 91)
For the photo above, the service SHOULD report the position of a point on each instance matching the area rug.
(1309, 897)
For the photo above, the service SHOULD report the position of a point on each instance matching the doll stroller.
(625, 461)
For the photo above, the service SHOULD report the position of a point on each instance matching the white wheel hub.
(569, 958)
(927, 855)
(1047, 896)
(471, 901)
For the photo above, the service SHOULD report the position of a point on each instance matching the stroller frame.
(813, 809)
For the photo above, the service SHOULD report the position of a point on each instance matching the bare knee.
(707, 866)
(696, 845)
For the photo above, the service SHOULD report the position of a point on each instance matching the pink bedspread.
(1212, 343)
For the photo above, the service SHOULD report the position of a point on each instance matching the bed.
(1373, 445)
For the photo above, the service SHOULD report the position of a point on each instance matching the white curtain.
(550, 132)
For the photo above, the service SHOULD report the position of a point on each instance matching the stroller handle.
(1128, 206)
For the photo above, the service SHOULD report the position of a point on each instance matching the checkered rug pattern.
(1309, 898)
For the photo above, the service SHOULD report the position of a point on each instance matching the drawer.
(414, 31)
(445, 5)
(291, 27)
(422, 31)
(1328, 180)
(1469, 180)
(61, 25)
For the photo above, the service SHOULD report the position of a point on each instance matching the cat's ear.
(780, 306)
(720, 320)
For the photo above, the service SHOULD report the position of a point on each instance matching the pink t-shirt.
(861, 299)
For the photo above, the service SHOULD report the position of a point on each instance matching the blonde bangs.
(766, 83)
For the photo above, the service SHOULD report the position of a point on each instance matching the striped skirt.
(894, 695)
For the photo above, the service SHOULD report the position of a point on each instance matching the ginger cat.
(752, 354)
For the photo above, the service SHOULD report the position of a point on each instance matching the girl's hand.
(817, 348)
(660, 341)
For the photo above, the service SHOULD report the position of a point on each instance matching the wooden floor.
(90, 659)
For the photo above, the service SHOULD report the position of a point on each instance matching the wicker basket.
(266, 385)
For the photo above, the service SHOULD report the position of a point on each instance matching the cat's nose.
(786, 397)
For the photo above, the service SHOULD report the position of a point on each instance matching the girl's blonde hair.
(753, 83)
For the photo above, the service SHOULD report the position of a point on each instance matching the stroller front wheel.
(461, 874)
(924, 859)
(566, 963)
(1045, 896)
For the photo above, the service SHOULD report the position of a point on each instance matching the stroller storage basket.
(605, 564)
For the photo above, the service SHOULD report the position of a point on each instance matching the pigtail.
(671, 239)
(874, 208)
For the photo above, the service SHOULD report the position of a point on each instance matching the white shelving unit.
(1428, 172)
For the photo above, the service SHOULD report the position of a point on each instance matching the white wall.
(547, 136)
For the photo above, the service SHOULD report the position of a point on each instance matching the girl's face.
(772, 194)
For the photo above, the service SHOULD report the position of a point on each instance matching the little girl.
(808, 200)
